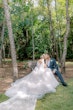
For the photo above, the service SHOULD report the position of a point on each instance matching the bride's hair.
(42, 56)
(40, 61)
(45, 56)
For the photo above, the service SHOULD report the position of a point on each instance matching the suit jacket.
(52, 65)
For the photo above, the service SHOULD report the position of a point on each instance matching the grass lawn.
(3, 98)
(61, 100)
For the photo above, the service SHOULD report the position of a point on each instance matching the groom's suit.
(54, 67)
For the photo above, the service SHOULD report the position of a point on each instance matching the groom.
(51, 63)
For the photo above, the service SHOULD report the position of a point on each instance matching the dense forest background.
(31, 28)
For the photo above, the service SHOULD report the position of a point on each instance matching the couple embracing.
(51, 63)
(24, 92)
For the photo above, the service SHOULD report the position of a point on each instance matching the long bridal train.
(25, 91)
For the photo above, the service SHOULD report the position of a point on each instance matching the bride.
(25, 91)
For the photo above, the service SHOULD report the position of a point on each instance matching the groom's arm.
(56, 65)
(53, 64)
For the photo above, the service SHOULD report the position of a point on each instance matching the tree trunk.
(32, 32)
(33, 45)
(57, 52)
(27, 36)
(12, 45)
(51, 30)
(57, 39)
(65, 38)
(4, 53)
(1, 46)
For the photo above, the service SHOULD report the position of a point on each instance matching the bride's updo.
(42, 56)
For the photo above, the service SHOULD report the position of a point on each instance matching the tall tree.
(58, 33)
(52, 37)
(11, 38)
(33, 47)
(65, 37)
(1, 43)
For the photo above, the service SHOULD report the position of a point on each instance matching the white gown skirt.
(25, 91)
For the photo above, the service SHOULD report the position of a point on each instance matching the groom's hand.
(54, 71)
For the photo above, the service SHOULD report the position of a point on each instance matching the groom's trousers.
(57, 72)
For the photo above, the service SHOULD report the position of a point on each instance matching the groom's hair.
(47, 56)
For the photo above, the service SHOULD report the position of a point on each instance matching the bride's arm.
(45, 66)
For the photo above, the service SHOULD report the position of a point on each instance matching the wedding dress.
(25, 91)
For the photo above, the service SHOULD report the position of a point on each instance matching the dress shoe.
(64, 84)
